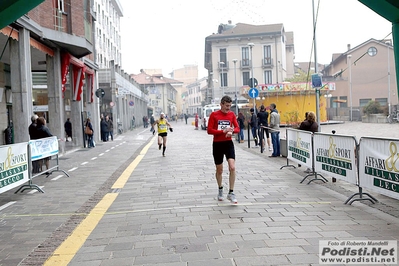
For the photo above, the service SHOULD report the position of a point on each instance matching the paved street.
(125, 204)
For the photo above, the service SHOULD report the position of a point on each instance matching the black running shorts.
(223, 148)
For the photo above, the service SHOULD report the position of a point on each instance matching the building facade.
(361, 74)
(240, 52)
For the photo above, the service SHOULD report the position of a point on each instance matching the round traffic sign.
(253, 92)
(100, 93)
(131, 103)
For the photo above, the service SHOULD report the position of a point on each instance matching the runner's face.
(225, 107)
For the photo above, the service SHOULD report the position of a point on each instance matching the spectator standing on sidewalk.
(33, 135)
(90, 142)
(222, 125)
(110, 124)
(104, 129)
(254, 126)
(275, 130)
(68, 129)
(309, 124)
(241, 121)
(43, 132)
(263, 117)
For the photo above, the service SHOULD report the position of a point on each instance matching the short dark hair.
(226, 99)
(273, 105)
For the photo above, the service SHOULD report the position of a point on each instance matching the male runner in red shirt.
(222, 124)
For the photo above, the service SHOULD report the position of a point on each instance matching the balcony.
(245, 64)
(267, 62)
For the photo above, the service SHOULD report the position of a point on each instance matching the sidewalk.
(167, 212)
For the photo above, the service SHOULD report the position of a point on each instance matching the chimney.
(349, 46)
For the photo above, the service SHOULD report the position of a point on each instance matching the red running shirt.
(219, 121)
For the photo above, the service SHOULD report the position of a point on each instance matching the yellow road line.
(68, 249)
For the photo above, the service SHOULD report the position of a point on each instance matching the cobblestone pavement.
(167, 212)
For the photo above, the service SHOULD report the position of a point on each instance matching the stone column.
(54, 92)
(21, 85)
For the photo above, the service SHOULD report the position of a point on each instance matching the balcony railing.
(267, 62)
(245, 64)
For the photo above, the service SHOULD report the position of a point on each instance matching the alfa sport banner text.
(379, 165)
(336, 156)
(13, 166)
(300, 147)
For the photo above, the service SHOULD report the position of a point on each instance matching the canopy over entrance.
(11, 10)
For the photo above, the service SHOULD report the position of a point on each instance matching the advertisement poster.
(13, 166)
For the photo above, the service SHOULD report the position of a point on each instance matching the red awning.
(79, 69)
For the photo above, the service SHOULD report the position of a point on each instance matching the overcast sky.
(170, 34)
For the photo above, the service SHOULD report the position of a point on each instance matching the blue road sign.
(253, 92)
(316, 81)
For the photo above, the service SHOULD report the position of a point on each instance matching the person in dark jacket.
(309, 124)
(254, 126)
(68, 129)
(263, 118)
(241, 120)
(104, 129)
(33, 135)
(42, 131)
(90, 143)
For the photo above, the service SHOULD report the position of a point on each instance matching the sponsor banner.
(42, 148)
(363, 252)
(299, 145)
(13, 166)
(335, 156)
(379, 165)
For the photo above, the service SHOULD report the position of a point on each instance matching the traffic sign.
(131, 103)
(253, 92)
(253, 82)
(100, 93)
(316, 81)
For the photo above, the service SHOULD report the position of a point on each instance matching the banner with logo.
(335, 155)
(300, 147)
(42, 148)
(379, 165)
(13, 166)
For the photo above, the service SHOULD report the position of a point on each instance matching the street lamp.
(251, 44)
(389, 80)
(221, 82)
(350, 85)
(235, 83)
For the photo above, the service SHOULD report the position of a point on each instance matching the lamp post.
(222, 78)
(235, 84)
(350, 86)
(389, 81)
(252, 70)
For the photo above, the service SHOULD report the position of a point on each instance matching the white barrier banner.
(379, 165)
(335, 155)
(13, 166)
(299, 144)
(42, 148)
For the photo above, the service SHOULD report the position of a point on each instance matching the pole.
(350, 86)
(252, 73)
(235, 84)
(389, 83)
(316, 70)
